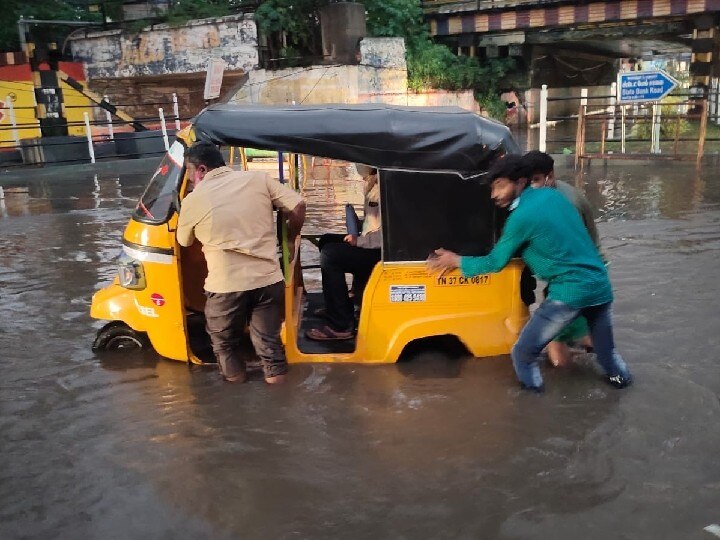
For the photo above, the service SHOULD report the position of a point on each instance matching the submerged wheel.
(117, 335)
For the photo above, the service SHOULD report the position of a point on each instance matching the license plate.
(453, 281)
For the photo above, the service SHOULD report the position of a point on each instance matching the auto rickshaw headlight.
(130, 272)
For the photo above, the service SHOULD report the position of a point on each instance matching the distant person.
(351, 254)
(546, 231)
(542, 174)
(231, 214)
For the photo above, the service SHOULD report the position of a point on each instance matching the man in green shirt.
(541, 168)
(547, 232)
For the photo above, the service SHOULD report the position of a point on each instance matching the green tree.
(433, 65)
(12, 10)
(396, 18)
(299, 19)
(186, 10)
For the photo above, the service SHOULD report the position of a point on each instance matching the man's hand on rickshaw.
(350, 239)
(442, 260)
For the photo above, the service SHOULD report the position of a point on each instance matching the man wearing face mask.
(541, 168)
(231, 214)
(547, 232)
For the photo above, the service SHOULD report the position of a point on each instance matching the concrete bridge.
(571, 43)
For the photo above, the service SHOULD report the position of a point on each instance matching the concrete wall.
(438, 98)
(164, 50)
(381, 77)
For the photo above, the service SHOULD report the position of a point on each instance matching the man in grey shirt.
(542, 169)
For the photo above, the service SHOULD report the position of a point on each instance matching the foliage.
(12, 10)
(490, 102)
(186, 10)
(669, 124)
(432, 65)
(396, 18)
(299, 19)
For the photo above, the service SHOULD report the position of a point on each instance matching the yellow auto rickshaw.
(431, 163)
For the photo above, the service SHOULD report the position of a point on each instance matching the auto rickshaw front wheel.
(117, 335)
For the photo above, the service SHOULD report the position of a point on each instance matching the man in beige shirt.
(231, 214)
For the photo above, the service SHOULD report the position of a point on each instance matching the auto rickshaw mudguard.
(116, 303)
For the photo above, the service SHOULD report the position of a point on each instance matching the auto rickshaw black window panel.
(424, 211)
(155, 204)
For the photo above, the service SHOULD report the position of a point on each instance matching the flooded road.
(130, 445)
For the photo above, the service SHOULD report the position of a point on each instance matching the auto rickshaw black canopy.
(384, 136)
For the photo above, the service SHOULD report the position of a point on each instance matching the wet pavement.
(130, 445)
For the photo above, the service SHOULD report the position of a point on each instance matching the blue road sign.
(634, 86)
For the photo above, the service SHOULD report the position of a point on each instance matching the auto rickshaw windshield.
(155, 204)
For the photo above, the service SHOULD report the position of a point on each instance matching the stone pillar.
(50, 109)
(704, 62)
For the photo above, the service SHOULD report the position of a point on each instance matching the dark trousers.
(527, 286)
(338, 258)
(226, 316)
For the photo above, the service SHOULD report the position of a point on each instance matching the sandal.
(326, 333)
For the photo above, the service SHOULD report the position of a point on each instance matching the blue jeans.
(547, 322)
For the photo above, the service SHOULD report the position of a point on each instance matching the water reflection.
(639, 190)
(133, 445)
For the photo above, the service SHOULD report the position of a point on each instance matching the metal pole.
(542, 145)
(655, 136)
(88, 134)
(611, 109)
(21, 34)
(243, 158)
(176, 112)
(622, 130)
(652, 130)
(164, 129)
(711, 97)
(579, 135)
(703, 132)
(717, 101)
(108, 117)
(13, 123)
(283, 224)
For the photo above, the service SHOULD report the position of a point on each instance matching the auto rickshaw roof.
(383, 136)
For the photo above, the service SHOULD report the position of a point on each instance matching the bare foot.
(277, 379)
(558, 354)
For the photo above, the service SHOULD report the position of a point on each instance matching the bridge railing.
(675, 128)
(103, 137)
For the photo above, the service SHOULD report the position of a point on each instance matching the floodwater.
(131, 445)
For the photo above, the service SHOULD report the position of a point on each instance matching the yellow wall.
(24, 96)
(15, 81)
(73, 97)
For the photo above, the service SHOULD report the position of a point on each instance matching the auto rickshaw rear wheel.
(118, 335)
